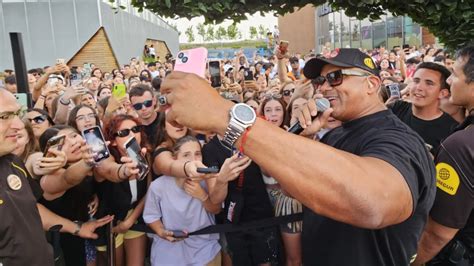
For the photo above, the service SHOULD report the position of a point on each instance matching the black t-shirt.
(383, 136)
(151, 132)
(454, 202)
(433, 131)
(22, 239)
(256, 202)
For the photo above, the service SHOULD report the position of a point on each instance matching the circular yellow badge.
(447, 179)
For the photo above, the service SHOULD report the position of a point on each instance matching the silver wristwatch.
(242, 116)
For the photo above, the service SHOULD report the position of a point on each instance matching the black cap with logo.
(342, 57)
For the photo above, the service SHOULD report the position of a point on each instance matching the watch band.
(232, 134)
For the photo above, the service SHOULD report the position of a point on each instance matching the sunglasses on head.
(274, 96)
(125, 132)
(335, 78)
(139, 106)
(38, 119)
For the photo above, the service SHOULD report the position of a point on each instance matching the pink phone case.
(192, 61)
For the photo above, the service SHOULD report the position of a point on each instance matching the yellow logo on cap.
(447, 179)
(369, 63)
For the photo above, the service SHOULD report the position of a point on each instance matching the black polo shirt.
(381, 135)
(433, 131)
(22, 239)
(454, 202)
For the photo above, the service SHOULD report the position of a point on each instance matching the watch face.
(244, 113)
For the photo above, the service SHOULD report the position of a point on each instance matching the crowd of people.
(364, 172)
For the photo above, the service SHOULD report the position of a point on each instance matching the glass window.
(345, 31)
(366, 33)
(394, 31)
(324, 34)
(412, 32)
(379, 34)
(355, 33)
(337, 30)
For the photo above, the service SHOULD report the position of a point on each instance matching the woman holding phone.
(125, 198)
(68, 191)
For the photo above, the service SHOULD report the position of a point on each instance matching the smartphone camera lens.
(184, 60)
(180, 55)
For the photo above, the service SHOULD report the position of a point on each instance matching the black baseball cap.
(342, 57)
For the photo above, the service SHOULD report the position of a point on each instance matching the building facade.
(78, 30)
(335, 30)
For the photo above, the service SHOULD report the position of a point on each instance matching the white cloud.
(268, 21)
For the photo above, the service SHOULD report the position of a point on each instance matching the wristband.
(184, 168)
(64, 103)
(244, 140)
(78, 227)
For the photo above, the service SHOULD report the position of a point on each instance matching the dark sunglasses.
(335, 78)
(38, 119)
(288, 92)
(139, 106)
(125, 132)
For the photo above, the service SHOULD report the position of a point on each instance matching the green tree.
(232, 31)
(190, 34)
(221, 34)
(449, 20)
(262, 31)
(210, 33)
(201, 29)
(253, 32)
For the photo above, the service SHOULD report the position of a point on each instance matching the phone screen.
(55, 142)
(394, 90)
(96, 141)
(134, 152)
(248, 75)
(215, 71)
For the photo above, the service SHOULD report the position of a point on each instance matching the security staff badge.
(14, 182)
(447, 179)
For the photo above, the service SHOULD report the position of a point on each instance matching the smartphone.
(95, 139)
(284, 46)
(60, 61)
(22, 99)
(119, 91)
(55, 142)
(75, 79)
(179, 234)
(248, 74)
(209, 170)
(192, 61)
(134, 151)
(394, 90)
(215, 71)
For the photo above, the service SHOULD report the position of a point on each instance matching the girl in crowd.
(175, 203)
(104, 91)
(68, 191)
(88, 99)
(40, 121)
(25, 144)
(295, 104)
(274, 110)
(163, 160)
(124, 199)
(96, 72)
